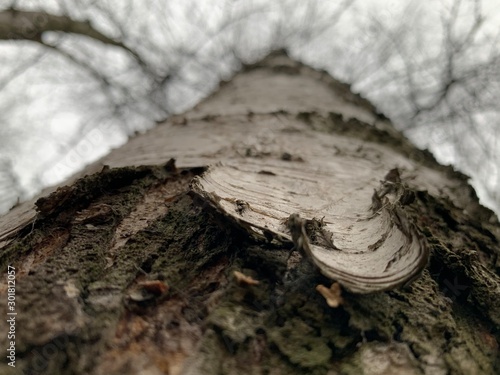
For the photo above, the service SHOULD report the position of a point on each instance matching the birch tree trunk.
(146, 265)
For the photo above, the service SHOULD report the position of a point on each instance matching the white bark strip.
(323, 177)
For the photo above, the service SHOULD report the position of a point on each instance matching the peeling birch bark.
(323, 178)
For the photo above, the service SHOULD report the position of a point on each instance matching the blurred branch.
(20, 69)
(324, 24)
(453, 48)
(25, 25)
(16, 24)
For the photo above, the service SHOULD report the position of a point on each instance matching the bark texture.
(126, 270)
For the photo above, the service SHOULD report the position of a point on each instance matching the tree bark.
(128, 269)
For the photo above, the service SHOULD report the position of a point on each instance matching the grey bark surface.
(130, 268)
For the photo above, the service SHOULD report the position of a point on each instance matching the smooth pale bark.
(136, 269)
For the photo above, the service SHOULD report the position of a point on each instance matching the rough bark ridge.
(127, 271)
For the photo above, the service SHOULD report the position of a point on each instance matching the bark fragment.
(364, 249)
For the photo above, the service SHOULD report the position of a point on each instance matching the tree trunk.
(149, 266)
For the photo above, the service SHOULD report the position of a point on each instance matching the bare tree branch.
(25, 25)
(16, 24)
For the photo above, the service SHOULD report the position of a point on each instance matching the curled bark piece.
(364, 244)
(243, 279)
(332, 295)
